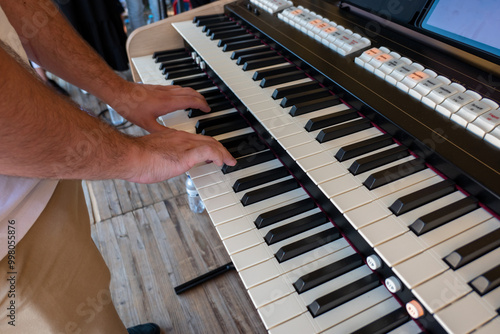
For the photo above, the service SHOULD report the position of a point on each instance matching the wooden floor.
(152, 242)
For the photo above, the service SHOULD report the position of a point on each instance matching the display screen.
(475, 23)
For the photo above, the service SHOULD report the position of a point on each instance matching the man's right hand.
(165, 154)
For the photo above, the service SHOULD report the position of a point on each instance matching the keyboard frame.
(450, 149)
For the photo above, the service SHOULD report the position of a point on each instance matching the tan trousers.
(61, 283)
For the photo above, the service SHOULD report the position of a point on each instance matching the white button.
(485, 123)
(473, 110)
(426, 86)
(493, 137)
(455, 102)
(439, 94)
(393, 284)
(374, 262)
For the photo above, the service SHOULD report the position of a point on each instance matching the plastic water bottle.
(195, 203)
(116, 118)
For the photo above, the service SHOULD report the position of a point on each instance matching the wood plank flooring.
(152, 242)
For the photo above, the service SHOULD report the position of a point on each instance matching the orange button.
(330, 29)
(315, 22)
(296, 12)
(414, 309)
(373, 52)
(384, 57)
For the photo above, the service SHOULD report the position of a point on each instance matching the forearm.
(52, 42)
(44, 136)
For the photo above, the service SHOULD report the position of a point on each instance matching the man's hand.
(169, 153)
(143, 104)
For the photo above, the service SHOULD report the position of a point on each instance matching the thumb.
(153, 126)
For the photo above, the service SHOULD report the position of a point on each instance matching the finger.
(184, 102)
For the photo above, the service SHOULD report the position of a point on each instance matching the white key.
(441, 291)
(464, 315)
(382, 231)
(298, 325)
(366, 317)
(353, 307)
(491, 327)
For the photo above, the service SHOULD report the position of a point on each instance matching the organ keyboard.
(413, 198)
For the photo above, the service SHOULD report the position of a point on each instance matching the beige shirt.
(21, 199)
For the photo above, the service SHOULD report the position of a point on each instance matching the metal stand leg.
(203, 278)
(162, 6)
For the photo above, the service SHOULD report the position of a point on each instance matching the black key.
(202, 19)
(249, 161)
(243, 38)
(363, 147)
(213, 20)
(473, 250)
(167, 64)
(317, 123)
(293, 89)
(230, 27)
(254, 56)
(178, 67)
(183, 73)
(278, 79)
(261, 74)
(310, 95)
(214, 99)
(243, 145)
(258, 63)
(305, 245)
(422, 196)
(341, 130)
(220, 105)
(362, 165)
(170, 56)
(188, 81)
(244, 52)
(328, 272)
(284, 212)
(215, 120)
(275, 189)
(385, 324)
(487, 281)
(342, 295)
(260, 178)
(228, 33)
(295, 227)
(240, 45)
(217, 24)
(166, 52)
(201, 84)
(388, 175)
(305, 107)
(211, 92)
(216, 106)
(219, 129)
(441, 216)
